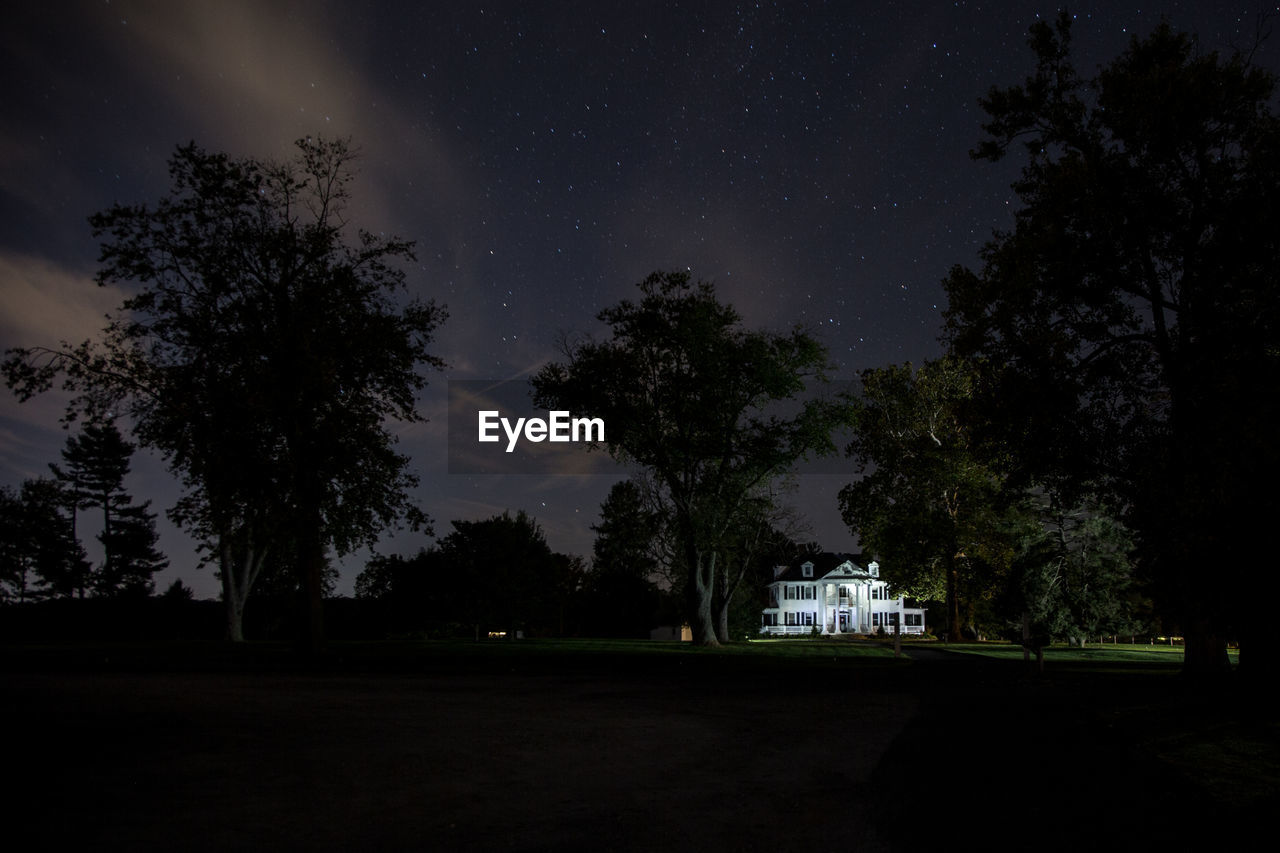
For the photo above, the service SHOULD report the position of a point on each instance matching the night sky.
(811, 159)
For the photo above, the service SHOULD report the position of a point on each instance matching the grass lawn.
(759, 648)
(440, 656)
(628, 745)
(1118, 653)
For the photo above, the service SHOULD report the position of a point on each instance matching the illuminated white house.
(831, 593)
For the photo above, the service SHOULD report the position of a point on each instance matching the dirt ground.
(813, 758)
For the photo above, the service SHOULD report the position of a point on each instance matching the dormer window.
(806, 570)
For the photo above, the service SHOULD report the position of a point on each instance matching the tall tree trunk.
(239, 563)
(310, 558)
(1026, 639)
(233, 595)
(108, 572)
(234, 611)
(1204, 651)
(954, 634)
(728, 588)
(702, 587)
(82, 579)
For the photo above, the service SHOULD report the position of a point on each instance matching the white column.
(864, 623)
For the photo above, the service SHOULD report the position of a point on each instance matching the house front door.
(844, 620)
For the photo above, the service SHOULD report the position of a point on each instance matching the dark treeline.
(42, 553)
(499, 578)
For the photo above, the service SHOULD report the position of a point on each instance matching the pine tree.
(132, 557)
(39, 557)
(13, 569)
(97, 461)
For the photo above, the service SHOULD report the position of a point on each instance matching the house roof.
(826, 565)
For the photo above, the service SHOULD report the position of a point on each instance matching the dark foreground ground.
(517, 752)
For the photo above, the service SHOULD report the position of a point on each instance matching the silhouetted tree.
(502, 575)
(415, 593)
(684, 393)
(39, 556)
(131, 555)
(1131, 319)
(13, 571)
(562, 609)
(262, 350)
(624, 536)
(622, 599)
(380, 576)
(178, 591)
(96, 463)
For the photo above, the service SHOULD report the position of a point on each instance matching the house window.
(844, 594)
(806, 570)
(914, 619)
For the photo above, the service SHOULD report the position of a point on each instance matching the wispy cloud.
(42, 303)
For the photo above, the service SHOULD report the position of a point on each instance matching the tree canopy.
(1129, 324)
(503, 576)
(685, 393)
(927, 503)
